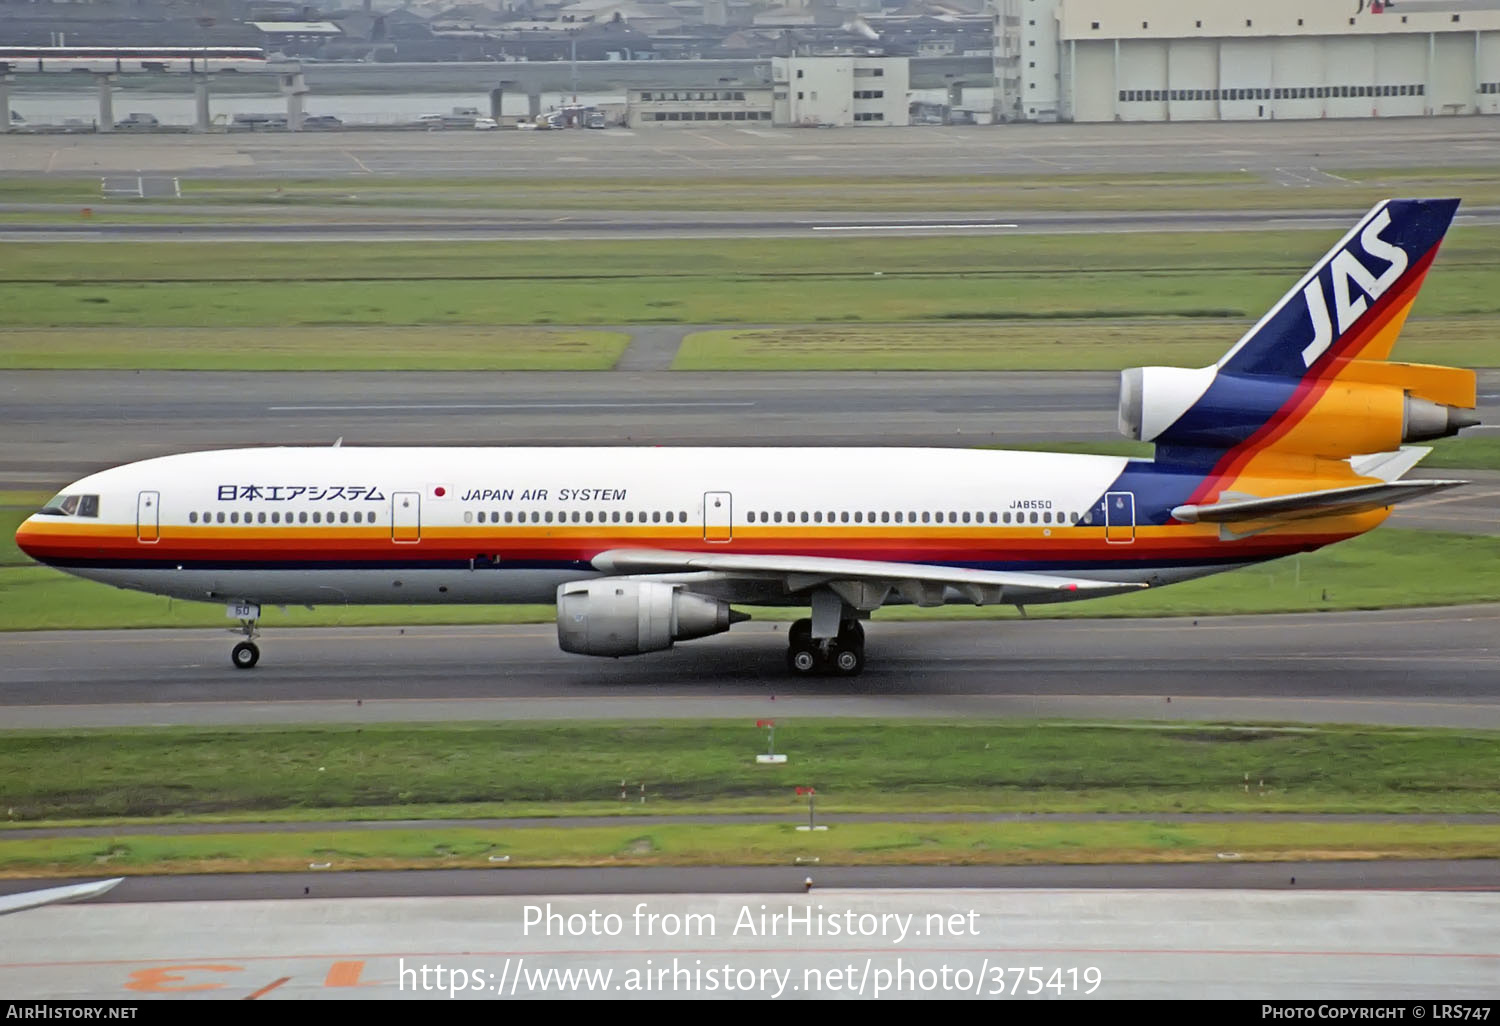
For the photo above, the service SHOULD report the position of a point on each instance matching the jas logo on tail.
(1346, 268)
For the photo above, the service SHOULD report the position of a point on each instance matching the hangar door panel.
(1244, 80)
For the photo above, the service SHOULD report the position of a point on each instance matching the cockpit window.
(72, 505)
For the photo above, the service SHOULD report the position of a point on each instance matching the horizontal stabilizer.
(808, 571)
(1304, 505)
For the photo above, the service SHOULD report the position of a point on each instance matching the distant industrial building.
(649, 108)
(1164, 60)
(844, 90)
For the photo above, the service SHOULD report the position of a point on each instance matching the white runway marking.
(903, 227)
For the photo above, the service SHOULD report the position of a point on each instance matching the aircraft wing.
(1305, 505)
(916, 581)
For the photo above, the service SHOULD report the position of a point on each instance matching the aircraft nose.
(27, 536)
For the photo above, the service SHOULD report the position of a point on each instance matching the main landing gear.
(842, 656)
(247, 653)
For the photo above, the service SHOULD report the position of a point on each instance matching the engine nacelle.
(616, 616)
(1207, 409)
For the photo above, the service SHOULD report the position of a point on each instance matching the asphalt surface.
(62, 425)
(1295, 154)
(1467, 874)
(1414, 667)
(327, 225)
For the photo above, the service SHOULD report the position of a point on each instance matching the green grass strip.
(1385, 568)
(862, 844)
(382, 771)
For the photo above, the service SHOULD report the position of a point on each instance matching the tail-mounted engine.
(1368, 407)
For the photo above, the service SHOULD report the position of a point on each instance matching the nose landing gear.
(842, 656)
(246, 654)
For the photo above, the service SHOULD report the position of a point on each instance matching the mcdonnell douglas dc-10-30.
(1295, 439)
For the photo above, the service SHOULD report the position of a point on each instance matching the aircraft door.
(717, 523)
(148, 517)
(1119, 517)
(406, 516)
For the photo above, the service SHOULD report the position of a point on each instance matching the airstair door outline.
(717, 517)
(148, 517)
(406, 517)
(1119, 517)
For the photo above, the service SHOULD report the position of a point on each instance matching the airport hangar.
(1163, 60)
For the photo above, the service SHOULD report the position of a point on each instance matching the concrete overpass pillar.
(200, 94)
(106, 102)
(5, 81)
(534, 105)
(497, 96)
(294, 88)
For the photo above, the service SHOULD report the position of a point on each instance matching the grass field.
(937, 191)
(1042, 344)
(1385, 568)
(514, 769)
(373, 347)
(862, 844)
(1066, 300)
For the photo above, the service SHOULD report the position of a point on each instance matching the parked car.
(597, 120)
(321, 121)
(485, 124)
(137, 121)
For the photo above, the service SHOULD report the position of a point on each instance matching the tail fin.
(1310, 379)
(1352, 304)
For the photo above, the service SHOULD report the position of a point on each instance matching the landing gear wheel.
(245, 655)
(802, 659)
(846, 660)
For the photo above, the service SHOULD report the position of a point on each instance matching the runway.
(1295, 154)
(62, 425)
(1068, 943)
(1434, 667)
(377, 224)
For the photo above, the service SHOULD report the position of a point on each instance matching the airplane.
(1296, 438)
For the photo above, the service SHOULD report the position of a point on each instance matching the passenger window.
(192, 518)
(481, 517)
(994, 518)
(898, 516)
(1006, 518)
(509, 517)
(859, 517)
(615, 517)
(536, 518)
(276, 517)
(885, 517)
(1046, 518)
(1033, 518)
(656, 517)
(260, 518)
(588, 517)
(926, 517)
(234, 518)
(777, 516)
(301, 518)
(682, 516)
(343, 518)
(844, 517)
(547, 516)
(966, 517)
(1073, 518)
(817, 516)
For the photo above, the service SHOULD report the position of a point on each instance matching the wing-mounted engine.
(1368, 407)
(614, 616)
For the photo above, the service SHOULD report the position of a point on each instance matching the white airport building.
(842, 90)
(1166, 60)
